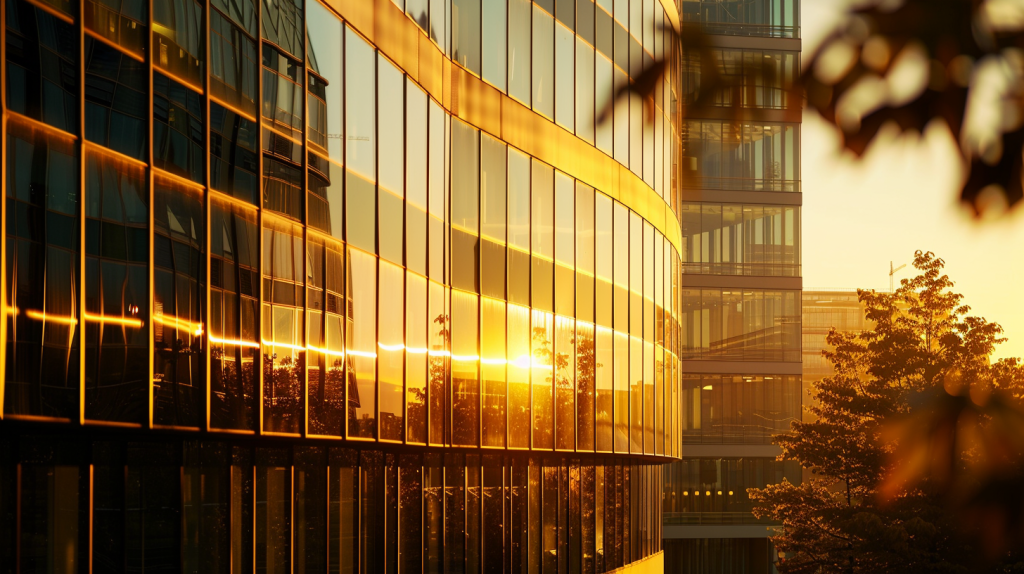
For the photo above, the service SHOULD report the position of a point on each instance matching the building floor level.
(101, 502)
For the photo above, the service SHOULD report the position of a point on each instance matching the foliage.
(860, 79)
(878, 499)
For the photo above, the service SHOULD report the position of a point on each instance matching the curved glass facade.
(370, 277)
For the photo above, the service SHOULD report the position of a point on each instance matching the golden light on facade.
(179, 323)
(41, 316)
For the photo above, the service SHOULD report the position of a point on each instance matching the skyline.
(903, 175)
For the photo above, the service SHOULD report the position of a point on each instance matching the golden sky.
(859, 215)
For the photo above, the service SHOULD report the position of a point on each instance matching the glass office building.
(339, 286)
(740, 301)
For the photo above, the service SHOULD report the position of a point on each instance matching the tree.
(868, 507)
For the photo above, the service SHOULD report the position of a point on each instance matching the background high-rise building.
(824, 310)
(339, 286)
(740, 217)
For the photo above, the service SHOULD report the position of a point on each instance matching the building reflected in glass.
(304, 286)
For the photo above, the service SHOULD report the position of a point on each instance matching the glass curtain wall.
(185, 505)
(248, 218)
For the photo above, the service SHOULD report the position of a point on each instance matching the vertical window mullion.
(206, 312)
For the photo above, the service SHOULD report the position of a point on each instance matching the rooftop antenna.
(892, 271)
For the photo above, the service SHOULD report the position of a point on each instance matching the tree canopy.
(894, 439)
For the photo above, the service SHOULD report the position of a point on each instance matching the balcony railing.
(713, 518)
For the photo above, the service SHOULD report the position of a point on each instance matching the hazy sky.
(902, 196)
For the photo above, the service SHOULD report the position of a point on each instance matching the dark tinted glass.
(282, 24)
(234, 163)
(42, 250)
(115, 99)
(234, 285)
(178, 39)
(177, 128)
(233, 65)
(41, 66)
(116, 290)
(123, 23)
(179, 287)
(282, 92)
(242, 12)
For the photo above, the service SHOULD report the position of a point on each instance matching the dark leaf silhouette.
(944, 40)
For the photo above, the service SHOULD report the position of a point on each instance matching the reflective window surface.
(740, 325)
(734, 239)
(530, 327)
(738, 409)
(741, 156)
(280, 231)
(758, 78)
(42, 57)
(43, 247)
(773, 18)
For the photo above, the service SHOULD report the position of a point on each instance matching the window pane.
(178, 39)
(542, 376)
(234, 162)
(326, 341)
(273, 508)
(543, 62)
(233, 65)
(361, 338)
(465, 369)
(115, 110)
(282, 24)
(542, 224)
(584, 88)
(391, 351)
(519, 362)
(177, 128)
(360, 110)
(466, 34)
(584, 344)
(416, 183)
(125, 26)
(565, 244)
(326, 61)
(179, 288)
(519, 19)
(242, 12)
(439, 337)
(621, 378)
(43, 249)
(565, 94)
(565, 382)
(234, 280)
(465, 249)
(391, 171)
(283, 329)
(416, 327)
(493, 362)
(117, 288)
(604, 374)
(603, 86)
(494, 45)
